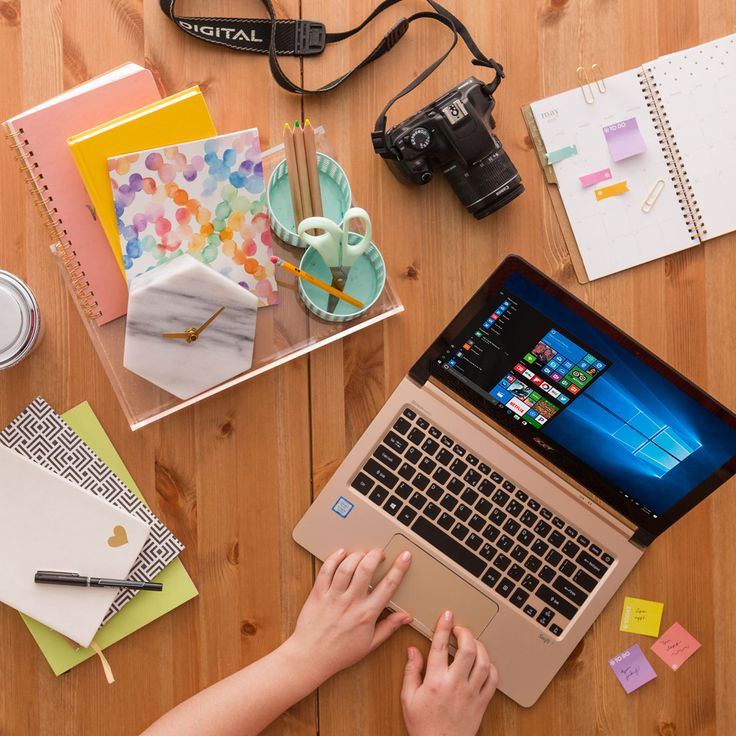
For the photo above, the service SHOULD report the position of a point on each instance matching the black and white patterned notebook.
(41, 435)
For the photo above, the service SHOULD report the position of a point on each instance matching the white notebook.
(48, 523)
(684, 106)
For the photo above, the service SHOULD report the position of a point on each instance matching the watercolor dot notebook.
(206, 198)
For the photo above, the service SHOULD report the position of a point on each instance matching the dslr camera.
(455, 133)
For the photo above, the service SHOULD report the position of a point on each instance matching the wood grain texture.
(232, 475)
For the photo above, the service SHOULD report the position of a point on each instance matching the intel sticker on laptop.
(343, 507)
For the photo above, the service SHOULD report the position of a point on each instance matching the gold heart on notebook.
(119, 537)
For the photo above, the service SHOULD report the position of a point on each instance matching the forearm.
(247, 701)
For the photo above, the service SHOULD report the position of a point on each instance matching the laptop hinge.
(642, 538)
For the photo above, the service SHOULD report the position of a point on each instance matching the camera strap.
(287, 37)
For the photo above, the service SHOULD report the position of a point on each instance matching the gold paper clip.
(585, 86)
(598, 78)
(653, 196)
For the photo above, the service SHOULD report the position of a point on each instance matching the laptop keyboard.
(483, 521)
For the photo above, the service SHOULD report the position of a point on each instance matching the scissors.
(334, 245)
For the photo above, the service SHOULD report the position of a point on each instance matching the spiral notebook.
(39, 137)
(641, 164)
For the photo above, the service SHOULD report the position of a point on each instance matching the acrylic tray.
(284, 331)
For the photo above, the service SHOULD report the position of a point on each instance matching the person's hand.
(338, 624)
(453, 697)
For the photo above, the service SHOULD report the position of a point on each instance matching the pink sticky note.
(675, 646)
(624, 139)
(632, 668)
(596, 177)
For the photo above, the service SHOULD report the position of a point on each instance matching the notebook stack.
(90, 152)
(73, 508)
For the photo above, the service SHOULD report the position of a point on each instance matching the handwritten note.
(632, 668)
(624, 139)
(675, 646)
(641, 616)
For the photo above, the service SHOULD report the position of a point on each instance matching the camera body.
(455, 133)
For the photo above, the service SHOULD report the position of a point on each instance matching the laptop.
(527, 460)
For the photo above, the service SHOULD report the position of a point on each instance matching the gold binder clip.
(585, 86)
(653, 196)
(598, 78)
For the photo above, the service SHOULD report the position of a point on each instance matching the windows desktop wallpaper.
(630, 424)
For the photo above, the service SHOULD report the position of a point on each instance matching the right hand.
(452, 698)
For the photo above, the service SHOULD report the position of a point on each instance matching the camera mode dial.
(420, 138)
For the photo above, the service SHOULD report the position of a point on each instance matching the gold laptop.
(527, 460)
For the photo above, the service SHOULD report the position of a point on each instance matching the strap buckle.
(395, 34)
(378, 138)
(310, 38)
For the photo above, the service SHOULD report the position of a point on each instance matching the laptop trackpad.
(429, 589)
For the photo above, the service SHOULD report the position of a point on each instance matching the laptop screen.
(592, 401)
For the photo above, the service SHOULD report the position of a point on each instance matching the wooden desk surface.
(232, 475)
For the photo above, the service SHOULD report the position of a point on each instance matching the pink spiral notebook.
(39, 137)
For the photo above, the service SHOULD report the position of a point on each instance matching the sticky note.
(632, 668)
(675, 646)
(611, 191)
(641, 616)
(624, 139)
(561, 153)
(596, 177)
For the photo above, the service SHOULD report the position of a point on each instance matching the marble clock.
(188, 328)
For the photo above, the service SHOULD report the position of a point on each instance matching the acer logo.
(229, 34)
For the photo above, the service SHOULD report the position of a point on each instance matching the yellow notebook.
(180, 118)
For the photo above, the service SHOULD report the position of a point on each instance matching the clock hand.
(178, 335)
(203, 327)
(190, 335)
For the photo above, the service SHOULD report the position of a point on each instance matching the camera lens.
(487, 185)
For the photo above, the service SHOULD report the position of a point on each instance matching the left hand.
(338, 625)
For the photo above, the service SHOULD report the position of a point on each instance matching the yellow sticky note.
(612, 190)
(641, 616)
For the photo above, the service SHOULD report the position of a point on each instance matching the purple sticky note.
(632, 668)
(624, 139)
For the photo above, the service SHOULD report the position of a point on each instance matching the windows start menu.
(523, 362)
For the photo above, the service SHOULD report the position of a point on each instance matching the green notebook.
(147, 606)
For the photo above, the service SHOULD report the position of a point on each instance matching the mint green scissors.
(334, 245)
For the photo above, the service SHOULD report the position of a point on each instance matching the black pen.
(53, 577)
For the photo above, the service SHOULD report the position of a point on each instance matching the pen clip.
(58, 572)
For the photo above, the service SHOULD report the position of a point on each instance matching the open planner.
(643, 161)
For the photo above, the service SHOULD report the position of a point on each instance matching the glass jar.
(20, 320)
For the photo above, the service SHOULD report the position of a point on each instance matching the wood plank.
(228, 477)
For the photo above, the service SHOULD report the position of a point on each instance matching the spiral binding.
(44, 203)
(673, 159)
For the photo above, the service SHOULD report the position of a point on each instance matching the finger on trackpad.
(430, 588)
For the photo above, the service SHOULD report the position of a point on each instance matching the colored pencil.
(301, 165)
(310, 148)
(317, 282)
(293, 175)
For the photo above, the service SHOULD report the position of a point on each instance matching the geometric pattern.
(40, 434)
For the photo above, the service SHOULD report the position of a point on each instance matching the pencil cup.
(365, 282)
(336, 198)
